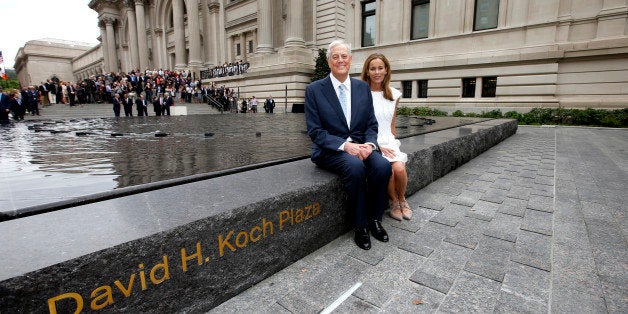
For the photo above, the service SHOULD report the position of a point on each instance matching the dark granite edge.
(126, 191)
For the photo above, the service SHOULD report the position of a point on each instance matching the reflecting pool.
(44, 162)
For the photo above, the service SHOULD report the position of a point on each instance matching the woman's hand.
(388, 152)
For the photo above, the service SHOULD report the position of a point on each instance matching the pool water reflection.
(43, 162)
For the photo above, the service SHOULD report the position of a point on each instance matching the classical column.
(265, 26)
(132, 40)
(243, 46)
(140, 17)
(104, 46)
(206, 31)
(179, 34)
(111, 44)
(295, 25)
(159, 47)
(214, 24)
(194, 36)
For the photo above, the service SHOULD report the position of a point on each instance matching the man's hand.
(361, 151)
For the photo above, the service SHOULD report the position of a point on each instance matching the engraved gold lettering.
(267, 223)
(284, 216)
(166, 271)
(52, 302)
(106, 295)
(242, 235)
(198, 255)
(259, 236)
(126, 291)
(299, 216)
(316, 209)
(142, 277)
(222, 243)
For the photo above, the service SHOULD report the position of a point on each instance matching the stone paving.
(536, 224)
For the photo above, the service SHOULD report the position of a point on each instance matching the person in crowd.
(342, 125)
(376, 72)
(269, 104)
(253, 103)
(116, 104)
(142, 106)
(64, 93)
(71, 94)
(5, 107)
(244, 106)
(52, 92)
(158, 102)
(43, 94)
(167, 104)
(17, 106)
(128, 105)
(33, 101)
(24, 97)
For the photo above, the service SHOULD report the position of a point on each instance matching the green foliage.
(9, 84)
(321, 69)
(404, 111)
(513, 115)
(588, 117)
(425, 111)
(493, 114)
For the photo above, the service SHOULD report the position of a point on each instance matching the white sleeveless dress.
(385, 112)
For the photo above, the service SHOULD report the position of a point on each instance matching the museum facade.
(449, 54)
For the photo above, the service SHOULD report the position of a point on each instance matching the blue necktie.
(342, 95)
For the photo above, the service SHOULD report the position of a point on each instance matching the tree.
(321, 69)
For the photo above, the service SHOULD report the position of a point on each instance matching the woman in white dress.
(376, 72)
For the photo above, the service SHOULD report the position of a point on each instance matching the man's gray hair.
(335, 43)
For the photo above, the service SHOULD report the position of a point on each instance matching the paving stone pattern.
(536, 224)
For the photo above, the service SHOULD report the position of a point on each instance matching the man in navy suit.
(343, 128)
(116, 104)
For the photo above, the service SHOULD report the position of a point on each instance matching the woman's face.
(377, 71)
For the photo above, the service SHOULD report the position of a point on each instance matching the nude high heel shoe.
(395, 211)
(406, 212)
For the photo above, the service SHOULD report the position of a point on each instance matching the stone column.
(206, 31)
(111, 44)
(230, 53)
(179, 34)
(132, 40)
(295, 25)
(104, 47)
(214, 25)
(242, 46)
(158, 59)
(140, 16)
(194, 37)
(265, 26)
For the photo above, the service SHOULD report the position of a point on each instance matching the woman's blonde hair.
(387, 92)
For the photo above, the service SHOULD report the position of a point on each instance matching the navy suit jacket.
(326, 123)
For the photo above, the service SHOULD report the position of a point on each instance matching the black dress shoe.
(378, 231)
(362, 238)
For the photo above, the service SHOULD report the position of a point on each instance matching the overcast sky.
(24, 20)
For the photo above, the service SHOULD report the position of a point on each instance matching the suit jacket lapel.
(332, 97)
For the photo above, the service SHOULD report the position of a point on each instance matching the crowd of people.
(227, 69)
(161, 88)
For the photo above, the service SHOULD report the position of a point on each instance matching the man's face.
(339, 61)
